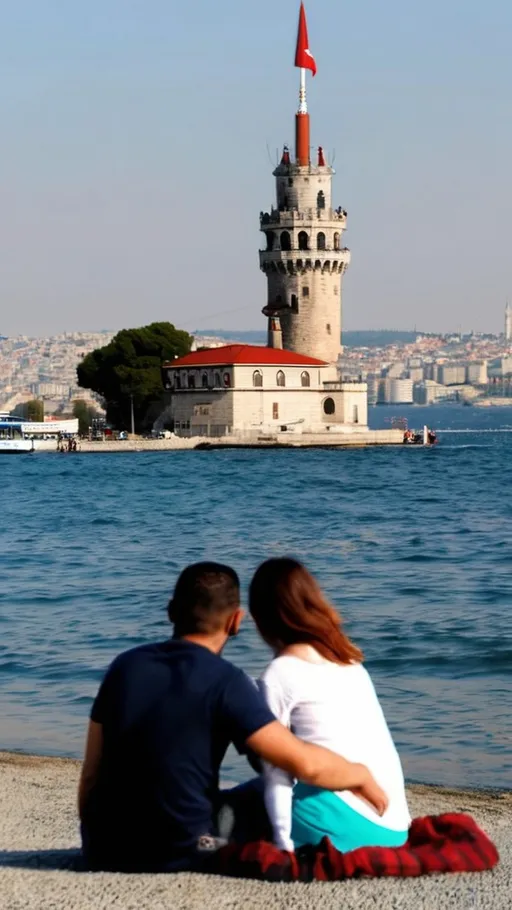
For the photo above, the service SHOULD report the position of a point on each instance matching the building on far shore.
(292, 385)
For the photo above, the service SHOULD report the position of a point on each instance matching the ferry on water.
(19, 436)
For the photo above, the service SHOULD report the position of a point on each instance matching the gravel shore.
(39, 840)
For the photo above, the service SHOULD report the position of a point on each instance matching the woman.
(317, 686)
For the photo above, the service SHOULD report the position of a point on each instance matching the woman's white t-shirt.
(336, 706)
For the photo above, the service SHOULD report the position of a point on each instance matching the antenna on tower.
(333, 157)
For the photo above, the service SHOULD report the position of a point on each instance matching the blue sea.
(413, 545)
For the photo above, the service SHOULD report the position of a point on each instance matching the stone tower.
(508, 322)
(304, 258)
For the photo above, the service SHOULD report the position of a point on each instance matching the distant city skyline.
(136, 159)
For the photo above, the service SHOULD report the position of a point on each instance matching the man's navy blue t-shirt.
(169, 711)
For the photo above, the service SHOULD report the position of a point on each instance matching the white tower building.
(508, 322)
(304, 258)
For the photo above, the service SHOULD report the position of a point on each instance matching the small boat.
(426, 438)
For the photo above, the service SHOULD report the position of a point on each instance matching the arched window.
(281, 379)
(303, 240)
(336, 241)
(216, 381)
(271, 237)
(177, 381)
(320, 200)
(204, 380)
(305, 380)
(257, 379)
(191, 380)
(320, 241)
(286, 243)
(227, 380)
(329, 406)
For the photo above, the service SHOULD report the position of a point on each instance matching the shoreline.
(39, 845)
(38, 759)
(360, 439)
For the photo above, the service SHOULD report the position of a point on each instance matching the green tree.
(130, 367)
(85, 414)
(32, 410)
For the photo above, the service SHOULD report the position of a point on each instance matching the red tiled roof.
(248, 354)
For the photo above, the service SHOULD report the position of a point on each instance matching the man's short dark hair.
(204, 595)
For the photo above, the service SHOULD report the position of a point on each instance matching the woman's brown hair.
(289, 608)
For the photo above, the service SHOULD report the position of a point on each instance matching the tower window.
(286, 243)
(320, 200)
(290, 181)
(336, 242)
(281, 379)
(320, 241)
(295, 304)
(257, 379)
(329, 406)
(328, 327)
(271, 238)
(305, 292)
(303, 240)
(305, 380)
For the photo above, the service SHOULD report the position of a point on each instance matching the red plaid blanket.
(443, 843)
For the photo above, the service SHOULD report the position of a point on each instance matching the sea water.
(413, 545)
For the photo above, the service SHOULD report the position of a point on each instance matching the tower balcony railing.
(341, 255)
(293, 216)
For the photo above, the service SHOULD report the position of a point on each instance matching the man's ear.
(234, 622)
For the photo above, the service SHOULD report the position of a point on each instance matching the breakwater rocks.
(282, 440)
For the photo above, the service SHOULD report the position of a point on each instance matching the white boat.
(16, 446)
(12, 439)
(18, 435)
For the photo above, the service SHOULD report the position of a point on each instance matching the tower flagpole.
(302, 124)
(304, 60)
(303, 104)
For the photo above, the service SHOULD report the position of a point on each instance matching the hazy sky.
(134, 158)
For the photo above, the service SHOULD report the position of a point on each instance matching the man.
(160, 726)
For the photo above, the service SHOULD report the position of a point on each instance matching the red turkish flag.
(303, 56)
